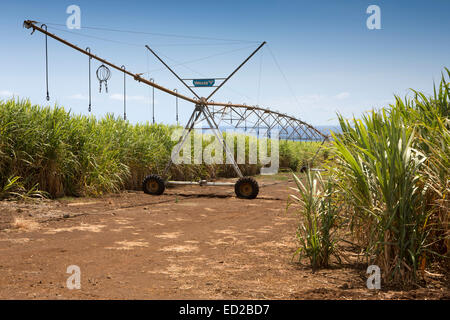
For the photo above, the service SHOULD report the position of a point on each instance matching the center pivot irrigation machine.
(205, 110)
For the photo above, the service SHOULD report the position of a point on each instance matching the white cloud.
(6, 93)
(342, 96)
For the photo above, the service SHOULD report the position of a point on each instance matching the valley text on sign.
(203, 82)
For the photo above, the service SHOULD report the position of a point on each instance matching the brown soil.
(190, 243)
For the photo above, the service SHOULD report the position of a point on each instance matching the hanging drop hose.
(46, 62)
(124, 96)
(153, 101)
(176, 107)
(304, 168)
(89, 50)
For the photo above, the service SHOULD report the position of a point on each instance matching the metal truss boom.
(242, 115)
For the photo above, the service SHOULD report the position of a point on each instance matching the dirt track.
(190, 243)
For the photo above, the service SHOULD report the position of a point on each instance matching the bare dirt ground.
(190, 243)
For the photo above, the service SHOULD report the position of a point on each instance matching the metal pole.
(213, 125)
(173, 72)
(153, 101)
(89, 50)
(124, 95)
(176, 107)
(231, 113)
(46, 63)
(224, 81)
(30, 24)
(187, 130)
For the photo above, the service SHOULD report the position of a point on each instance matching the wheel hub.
(152, 186)
(246, 189)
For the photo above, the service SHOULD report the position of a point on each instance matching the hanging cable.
(203, 75)
(177, 62)
(259, 76)
(245, 119)
(89, 50)
(285, 78)
(46, 62)
(148, 72)
(124, 95)
(176, 106)
(97, 38)
(153, 101)
(231, 114)
(140, 45)
(199, 59)
(159, 34)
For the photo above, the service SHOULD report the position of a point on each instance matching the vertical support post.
(228, 78)
(198, 111)
(213, 125)
(187, 130)
(124, 95)
(173, 72)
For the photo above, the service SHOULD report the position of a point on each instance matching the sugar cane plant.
(319, 211)
(391, 182)
(393, 166)
(60, 153)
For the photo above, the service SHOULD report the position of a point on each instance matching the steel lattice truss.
(238, 116)
(256, 119)
(217, 115)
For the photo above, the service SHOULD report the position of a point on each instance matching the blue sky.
(332, 62)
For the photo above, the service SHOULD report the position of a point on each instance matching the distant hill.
(327, 129)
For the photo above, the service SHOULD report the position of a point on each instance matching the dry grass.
(25, 224)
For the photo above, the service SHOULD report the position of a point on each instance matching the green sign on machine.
(203, 82)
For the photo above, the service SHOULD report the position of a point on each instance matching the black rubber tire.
(158, 189)
(246, 188)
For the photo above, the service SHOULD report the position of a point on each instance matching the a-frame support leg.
(199, 110)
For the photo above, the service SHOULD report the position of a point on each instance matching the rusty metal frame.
(286, 123)
(261, 118)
